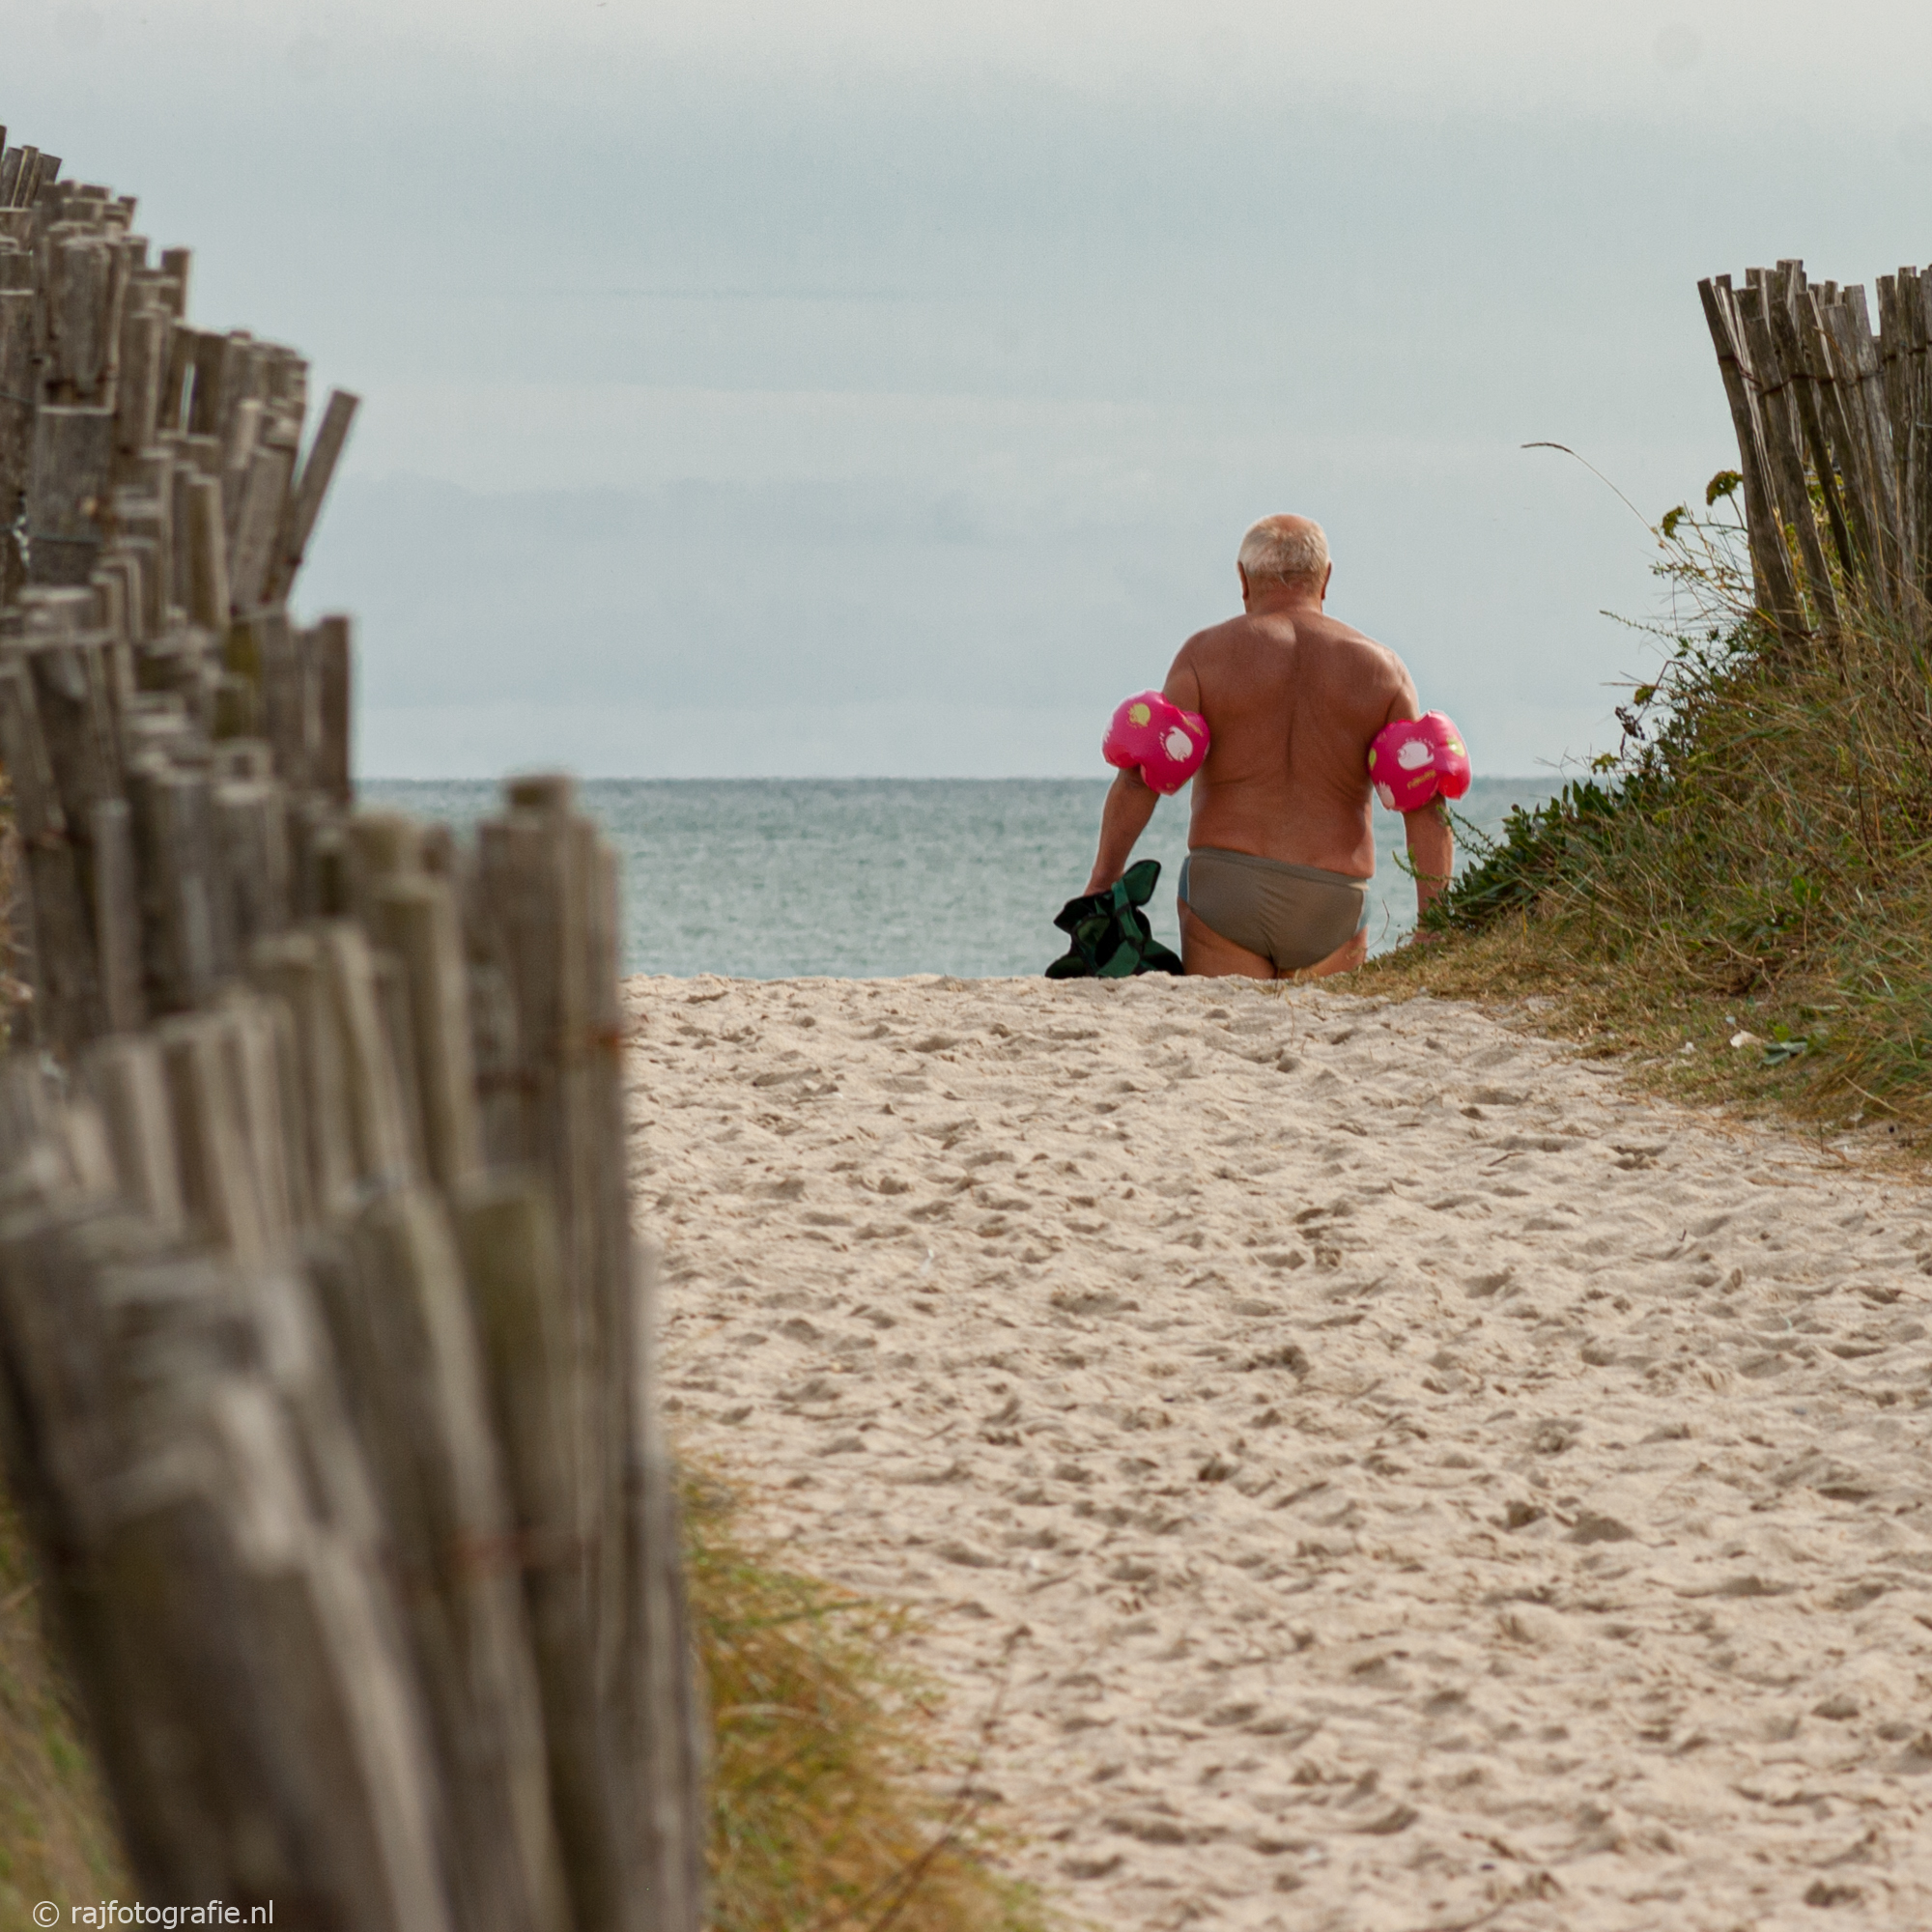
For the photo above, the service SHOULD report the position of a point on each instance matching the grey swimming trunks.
(1293, 916)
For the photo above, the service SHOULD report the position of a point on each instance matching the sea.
(875, 878)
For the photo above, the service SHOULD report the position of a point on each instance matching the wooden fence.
(325, 1377)
(1834, 437)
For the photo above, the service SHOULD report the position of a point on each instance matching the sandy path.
(1401, 1480)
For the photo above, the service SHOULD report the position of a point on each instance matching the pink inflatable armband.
(1167, 743)
(1411, 762)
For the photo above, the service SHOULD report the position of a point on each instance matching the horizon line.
(830, 777)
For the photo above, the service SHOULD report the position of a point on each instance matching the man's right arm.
(1432, 846)
(1432, 851)
(1405, 705)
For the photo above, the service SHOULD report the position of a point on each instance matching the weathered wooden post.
(324, 1338)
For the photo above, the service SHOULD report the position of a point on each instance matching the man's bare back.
(1292, 698)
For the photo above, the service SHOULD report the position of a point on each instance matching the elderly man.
(1280, 845)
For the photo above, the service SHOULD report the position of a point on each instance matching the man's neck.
(1283, 600)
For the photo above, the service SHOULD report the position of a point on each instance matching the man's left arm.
(1131, 803)
(1131, 798)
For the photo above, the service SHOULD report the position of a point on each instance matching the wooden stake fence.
(325, 1370)
(1834, 423)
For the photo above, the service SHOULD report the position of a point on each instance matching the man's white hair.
(1288, 550)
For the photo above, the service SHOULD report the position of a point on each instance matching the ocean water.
(774, 878)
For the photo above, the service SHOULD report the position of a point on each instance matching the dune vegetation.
(834, 1808)
(58, 1840)
(831, 1810)
(1740, 896)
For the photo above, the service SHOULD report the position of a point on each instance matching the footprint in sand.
(1378, 1473)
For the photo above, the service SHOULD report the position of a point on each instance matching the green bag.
(1112, 939)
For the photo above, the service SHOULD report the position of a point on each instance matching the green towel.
(1111, 936)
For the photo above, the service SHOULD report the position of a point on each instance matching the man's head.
(1284, 560)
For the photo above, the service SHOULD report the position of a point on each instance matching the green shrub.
(1754, 861)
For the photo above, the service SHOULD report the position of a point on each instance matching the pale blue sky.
(853, 388)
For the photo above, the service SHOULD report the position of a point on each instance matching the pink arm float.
(1411, 762)
(1167, 743)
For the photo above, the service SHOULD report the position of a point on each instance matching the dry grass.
(1755, 866)
(831, 1811)
(1613, 1011)
(58, 1839)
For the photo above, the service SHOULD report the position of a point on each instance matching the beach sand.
(1354, 1465)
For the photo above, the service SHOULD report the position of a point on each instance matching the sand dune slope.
(1373, 1472)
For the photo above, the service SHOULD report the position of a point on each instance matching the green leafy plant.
(1759, 843)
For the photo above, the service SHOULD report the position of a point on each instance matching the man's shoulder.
(1235, 640)
(1347, 640)
(1212, 636)
(1340, 632)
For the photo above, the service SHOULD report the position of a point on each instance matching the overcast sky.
(844, 388)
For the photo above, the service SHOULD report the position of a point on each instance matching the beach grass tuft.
(58, 1838)
(1742, 894)
(832, 1808)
